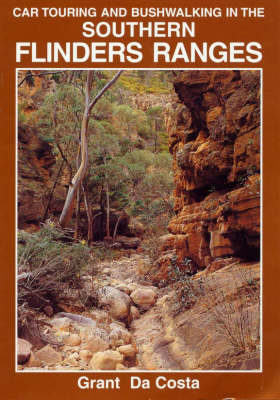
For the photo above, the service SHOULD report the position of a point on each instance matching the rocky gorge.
(196, 306)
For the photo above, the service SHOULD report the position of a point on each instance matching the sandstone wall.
(214, 136)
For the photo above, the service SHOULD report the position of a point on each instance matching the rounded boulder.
(144, 297)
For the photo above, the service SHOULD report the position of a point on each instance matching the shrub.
(187, 290)
(151, 246)
(236, 321)
(48, 261)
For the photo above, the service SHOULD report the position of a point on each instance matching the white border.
(114, 372)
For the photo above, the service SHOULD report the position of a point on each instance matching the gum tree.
(77, 180)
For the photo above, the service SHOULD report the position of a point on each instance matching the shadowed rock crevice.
(246, 248)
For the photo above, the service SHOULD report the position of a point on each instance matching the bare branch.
(66, 161)
(88, 87)
(106, 87)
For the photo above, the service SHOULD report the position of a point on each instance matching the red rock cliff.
(214, 136)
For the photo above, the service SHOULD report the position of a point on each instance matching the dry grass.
(238, 317)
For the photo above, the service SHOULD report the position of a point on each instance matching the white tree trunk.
(68, 208)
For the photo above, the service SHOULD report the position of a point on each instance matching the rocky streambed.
(133, 325)
(102, 337)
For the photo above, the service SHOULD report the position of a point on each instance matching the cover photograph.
(140, 222)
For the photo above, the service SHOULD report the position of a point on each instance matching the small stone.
(106, 360)
(62, 324)
(72, 340)
(107, 271)
(119, 336)
(71, 349)
(132, 287)
(101, 316)
(23, 351)
(86, 332)
(72, 360)
(120, 367)
(127, 350)
(61, 334)
(95, 344)
(117, 324)
(48, 355)
(85, 355)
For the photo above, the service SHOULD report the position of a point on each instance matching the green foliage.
(188, 291)
(131, 121)
(127, 146)
(58, 120)
(21, 117)
(50, 259)
(156, 82)
(137, 207)
(150, 174)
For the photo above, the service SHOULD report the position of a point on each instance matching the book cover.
(139, 200)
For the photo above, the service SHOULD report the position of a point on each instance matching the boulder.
(144, 297)
(48, 355)
(117, 302)
(23, 351)
(106, 360)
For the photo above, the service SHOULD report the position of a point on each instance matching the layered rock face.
(35, 161)
(214, 136)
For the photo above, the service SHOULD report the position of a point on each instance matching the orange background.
(266, 30)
